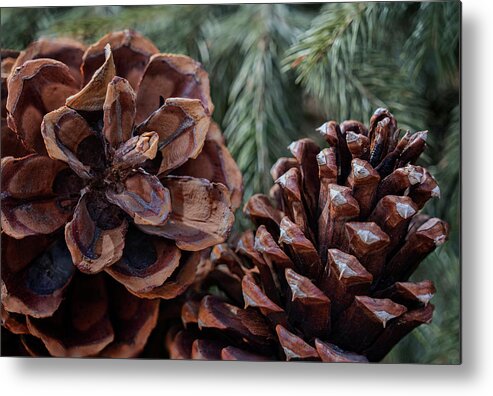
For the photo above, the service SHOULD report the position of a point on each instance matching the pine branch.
(259, 121)
(323, 51)
(345, 62)
(434, 42)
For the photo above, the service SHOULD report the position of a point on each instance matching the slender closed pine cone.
(325, 275)
(115, 185)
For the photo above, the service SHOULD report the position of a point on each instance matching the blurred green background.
(278, 71)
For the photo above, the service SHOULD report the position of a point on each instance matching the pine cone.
(326, 275)
(119, 187)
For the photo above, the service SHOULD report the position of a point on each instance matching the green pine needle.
(259, 121)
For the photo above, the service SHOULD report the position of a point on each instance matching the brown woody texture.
(325, 274)
(115, 185)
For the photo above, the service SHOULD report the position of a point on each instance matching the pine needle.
(259, 121)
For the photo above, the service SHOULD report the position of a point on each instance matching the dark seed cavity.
(50, 271)
(152, 166)
(67, 183)
(91, 152)
(139, 253)
(94, 119)
(106, 216)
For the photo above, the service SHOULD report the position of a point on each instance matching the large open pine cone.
(325, 277)
(115, 184)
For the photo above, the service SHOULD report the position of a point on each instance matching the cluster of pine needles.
(280, 70)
